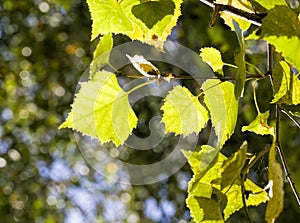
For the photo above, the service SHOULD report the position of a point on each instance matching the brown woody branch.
(254, 18)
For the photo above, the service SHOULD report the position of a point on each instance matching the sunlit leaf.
(183, 113)
(101, 109)
(201, 161)
(150, 12)
(239, 58)
(213, 57)
(281, 28)
(276, 198)
(101, 53)
(234, 196)
(260, 125)
(220, 100)
(204, 210)
(235, 162)
(281, 80)
(270, 4)
(138, 20)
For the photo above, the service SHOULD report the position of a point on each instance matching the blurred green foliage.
(44, 49)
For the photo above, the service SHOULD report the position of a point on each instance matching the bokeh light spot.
(26, 51)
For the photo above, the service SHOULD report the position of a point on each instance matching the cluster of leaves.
(101, 108)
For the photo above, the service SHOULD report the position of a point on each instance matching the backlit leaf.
(144, 21)
(150, 12)
(260, 125)
(276, 198)
(239, 58)
(101, 53)
(270, 4)
(101, 110)
(281, 28)
(204, 210)
(183, 113)
(213, 57)
(281, 80)
(220, 100)
(235, 162)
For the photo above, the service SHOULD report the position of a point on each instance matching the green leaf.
(293, 95)
(270, 4)
(260, 125)
(234, 196)
(239, 58)
(204, 210)
(183, 113)
(111, 16)
(101, 109)
(281, 28)
(201, 187)
(101, 53)
(213, 57)
(201, 161)
(220, 100)
(276, 198)
(151, 12)
(281, 80)
(235, 162)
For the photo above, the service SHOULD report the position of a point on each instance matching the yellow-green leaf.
(213, 57)
(220, 100)
(101, 53)
(129, 17)
(270, 4)
(183, 113)
(240, 77)
(260, 125)
(281, 80)
(281, 28)
(101, 110)
(276, 198)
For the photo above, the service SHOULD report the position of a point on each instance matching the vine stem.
(140, 86)
(254, 97)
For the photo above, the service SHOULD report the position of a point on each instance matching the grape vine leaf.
(213, 58)
(276, 194)
(101, 53)
(260, 125)
(243, 5)
(119, 17)
(239, 58)
(220, 100)
(281, 28)
(101, 110)
(183, 113)
(281, 80)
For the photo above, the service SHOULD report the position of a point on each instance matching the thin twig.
(282, 157)
(254, 18)
(290, 117)
(244, 202)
